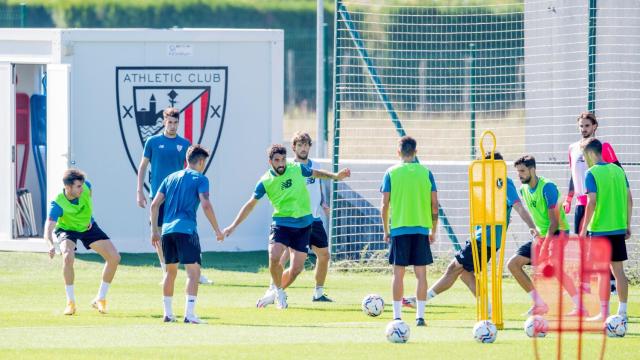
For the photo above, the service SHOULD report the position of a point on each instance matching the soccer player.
(462, 264)
(541, 197)
(318, 240)
(285, 185)
(166, 153)
(71, 215)
(608, 214)
(587, 124)
(409, 195)
(182, 192)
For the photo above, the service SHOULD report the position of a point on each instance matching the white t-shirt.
(314, 186)
(578, 168)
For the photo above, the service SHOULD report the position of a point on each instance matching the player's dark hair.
(589, 116)
(71, 175)
(301, 137)
(496, 155)
(407, 145)
(171, 112)
(591, 144)
(528, 160)
(276, 149)
(196, 153)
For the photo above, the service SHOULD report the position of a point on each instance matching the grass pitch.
(31, 324)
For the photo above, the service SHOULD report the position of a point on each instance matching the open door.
(58, 120)
(8, 152)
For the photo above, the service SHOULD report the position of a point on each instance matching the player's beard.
(302, 157)
(279, 170)
(587, 135)
(526, 180)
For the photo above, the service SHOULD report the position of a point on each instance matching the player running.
(608, 214)
(462, 264)
(166, 153)
(541, 197)
(181, 193)
(587, 124)
(318, 240)
(285, 184)
(71, 215)
(409, 195)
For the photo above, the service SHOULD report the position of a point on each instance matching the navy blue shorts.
(618, 246)
(181, 248)
(577, 218)
(295, 238)
(87, 237)
(410, 249)
(464, 256)
(525, 250)
(318, 235)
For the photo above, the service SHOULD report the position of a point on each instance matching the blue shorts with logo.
(295, 238)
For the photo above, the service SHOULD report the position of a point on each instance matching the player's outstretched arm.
(339, 176)
(526, 217)
(48, 236)
(384, 213)
(142, 171)
(207, 207)
(246, 209)
(155, 209)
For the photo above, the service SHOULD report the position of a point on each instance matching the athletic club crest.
(142, 93)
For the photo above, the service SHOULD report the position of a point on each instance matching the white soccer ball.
(397, 332)
(372, 305)
(485, 331)
(537, 326)
(615, 326)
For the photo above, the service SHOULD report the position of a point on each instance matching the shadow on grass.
(248, 261)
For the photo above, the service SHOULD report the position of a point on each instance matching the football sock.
(604, 308)
(537, 300)
(168, 309)
(190, 306)
(431, 294)
(319, 292)
(70, 295)
(397, 309)
(420, 309)
(622, 308)
(102, 292)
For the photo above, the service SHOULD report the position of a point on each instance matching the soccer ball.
(615, 326)
(397, 332)
(536, 325)
(485, 331)
(372, 305)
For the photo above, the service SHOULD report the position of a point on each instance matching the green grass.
(31, 324)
